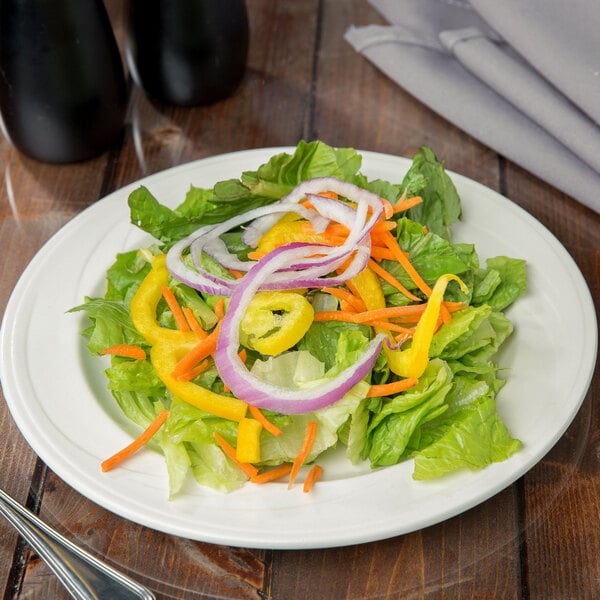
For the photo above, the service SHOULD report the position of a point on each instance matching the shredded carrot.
(273, 474)
(313, 476)
(355, 302)
(379, 253)
(178, 315)
(229, 450)
(307, 444)
(328, 195)
(411, 313)
(400, 256)
(193, 372)
(406, 331)
(388, 208)
(190, 317)
(126, 350)
(376, 314)
(267, 425)
(200, 351)
(236, 274)
(395, 387)
(138, 443)
(255, 255)
(387, 276)
(219, 308)
(406, 203)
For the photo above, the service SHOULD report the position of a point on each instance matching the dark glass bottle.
(63, 94)
(187, 52)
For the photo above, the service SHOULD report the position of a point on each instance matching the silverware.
(84, 576)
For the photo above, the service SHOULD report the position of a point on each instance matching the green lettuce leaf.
(472, 437)
(441, 203)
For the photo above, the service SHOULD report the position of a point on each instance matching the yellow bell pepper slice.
(286, 232)
(170, 345)
(248, 441)
(413, 361)
(164, 355)
(276, 321)
(144, 302)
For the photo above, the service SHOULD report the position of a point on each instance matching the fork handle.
(83, 576)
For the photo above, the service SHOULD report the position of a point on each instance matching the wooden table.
(539, 538)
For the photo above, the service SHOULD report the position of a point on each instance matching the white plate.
(57, 393)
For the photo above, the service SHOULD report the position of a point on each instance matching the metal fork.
(84, 576)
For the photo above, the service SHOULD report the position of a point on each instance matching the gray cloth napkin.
(521, 76)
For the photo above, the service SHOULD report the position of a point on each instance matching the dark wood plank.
(474, 555)
(562, 493)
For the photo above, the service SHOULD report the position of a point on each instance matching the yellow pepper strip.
(248, 441)
(413, 361)
(170, 345)
(164, 355)
(285, 232)
(268, 331)
(144, 302)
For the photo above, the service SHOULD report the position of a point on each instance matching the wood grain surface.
(538, 539)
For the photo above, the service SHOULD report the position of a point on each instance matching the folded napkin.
(521, 76)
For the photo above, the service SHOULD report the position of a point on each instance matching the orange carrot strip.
(193, 372)
(328, 195)
(200, 351)
(371, 315)
(313, 476)
(307, 444)
(255, 255)
(236, 274)
(350, 298)
(387, 276)
(190, 317)
(178, 315)
(273, 474)
(139, 442)
(388, 208)
(229, 450)
(387, 389)
(267, 425)
(379, 253)
(406, 203)
(391, 327)
(400, 256)
(219, 308)
(125, 350)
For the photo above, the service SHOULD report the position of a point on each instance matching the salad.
(302, 309)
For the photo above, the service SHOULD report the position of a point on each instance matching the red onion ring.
(250, 388)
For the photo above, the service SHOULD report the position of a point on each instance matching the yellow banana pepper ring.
(413, 361)
(276, 321)
(164, 356)
(144, 302)
(170, 345)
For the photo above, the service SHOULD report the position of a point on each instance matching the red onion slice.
(207, 239)
(250, 388)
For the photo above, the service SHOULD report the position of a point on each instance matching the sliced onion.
(207, 239)
(250, 388)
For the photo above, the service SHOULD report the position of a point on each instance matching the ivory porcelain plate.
(57, 393)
